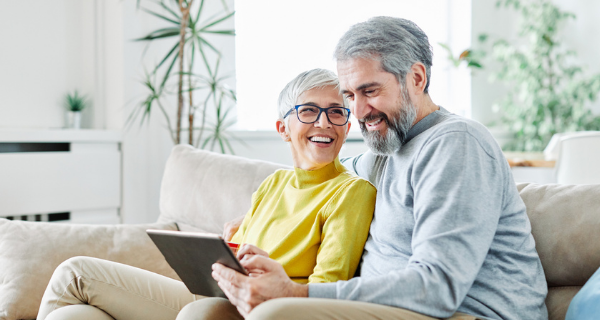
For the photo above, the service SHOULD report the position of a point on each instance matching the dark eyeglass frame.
(319, 115)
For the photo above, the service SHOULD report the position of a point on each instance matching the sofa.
(201, 190)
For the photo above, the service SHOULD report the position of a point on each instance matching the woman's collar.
(307, 178)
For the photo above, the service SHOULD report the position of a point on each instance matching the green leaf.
(158, 15)
(169, 10)
(160, 34)
(224, 32)
(199, 12)
(168, 72)
(75, 102)
(200, 39)
(474, 64)
(218, 21)
(167, 57)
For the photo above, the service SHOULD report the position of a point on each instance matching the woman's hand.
(231, 228)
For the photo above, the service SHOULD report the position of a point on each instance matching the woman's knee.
(77, 312)
(75, 264)
(209, 308)
(69, 269)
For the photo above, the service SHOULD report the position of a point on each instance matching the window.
(276, 40)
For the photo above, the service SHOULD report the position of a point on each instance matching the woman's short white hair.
(315, 78)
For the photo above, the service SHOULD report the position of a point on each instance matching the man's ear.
(280, 124)
(417, 78)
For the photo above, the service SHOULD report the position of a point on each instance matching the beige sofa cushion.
(558, 301)
(30, 251)
(202, 190)
(565, 222)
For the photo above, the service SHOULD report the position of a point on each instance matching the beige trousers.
(306, 309)
(324, 309)
(95, 289)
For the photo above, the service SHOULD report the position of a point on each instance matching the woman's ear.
(280, 124)
(347, 130)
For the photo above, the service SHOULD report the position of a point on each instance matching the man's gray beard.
(398, 127)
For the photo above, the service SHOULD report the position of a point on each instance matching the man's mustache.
(374, 116)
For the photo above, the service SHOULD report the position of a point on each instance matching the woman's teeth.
(320, 139)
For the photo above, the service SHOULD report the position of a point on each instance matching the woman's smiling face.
(317, 144)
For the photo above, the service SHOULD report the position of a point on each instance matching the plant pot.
(74, 119)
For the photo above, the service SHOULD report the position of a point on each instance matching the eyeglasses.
(308, 113)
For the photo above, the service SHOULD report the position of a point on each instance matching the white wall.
(47, 50)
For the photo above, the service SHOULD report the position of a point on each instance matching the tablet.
(192, 255)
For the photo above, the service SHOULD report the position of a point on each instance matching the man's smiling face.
(380, 103)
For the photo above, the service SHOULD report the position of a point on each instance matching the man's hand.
(231, 228)
(268, 281)
(248, 250)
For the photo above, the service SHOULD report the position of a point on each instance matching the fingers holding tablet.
(249, 249)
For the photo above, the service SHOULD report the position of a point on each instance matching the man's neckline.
(429, 121)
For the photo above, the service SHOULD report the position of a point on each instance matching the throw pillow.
(30, 251)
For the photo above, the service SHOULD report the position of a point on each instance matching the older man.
(450, 235)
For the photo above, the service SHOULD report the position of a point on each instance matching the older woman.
(314, 220)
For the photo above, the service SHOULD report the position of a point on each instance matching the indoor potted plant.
(548, 93)
(189, 72)
(75, 103)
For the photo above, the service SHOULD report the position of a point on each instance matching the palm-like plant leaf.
(169, 10)
(210, 24)
(194, 42)
(158, 15)
(160, 34)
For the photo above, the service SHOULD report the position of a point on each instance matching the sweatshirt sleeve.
(457, 205)
(364, 165)
(345, 231)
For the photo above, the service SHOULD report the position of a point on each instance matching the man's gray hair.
(397, 43)
(315, 78)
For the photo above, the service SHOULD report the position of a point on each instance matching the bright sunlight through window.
(276, 40)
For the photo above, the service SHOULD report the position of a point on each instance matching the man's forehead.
(358, 72)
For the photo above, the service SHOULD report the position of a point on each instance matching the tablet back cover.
(192, 256)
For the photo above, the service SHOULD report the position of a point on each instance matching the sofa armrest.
(30, 251)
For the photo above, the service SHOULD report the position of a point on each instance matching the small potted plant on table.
(75, 103)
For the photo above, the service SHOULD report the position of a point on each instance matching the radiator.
(60, 175)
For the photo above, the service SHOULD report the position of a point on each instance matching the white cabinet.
(60, 175)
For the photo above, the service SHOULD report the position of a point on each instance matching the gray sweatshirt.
(450, 232)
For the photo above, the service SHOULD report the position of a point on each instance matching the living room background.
(64, 45)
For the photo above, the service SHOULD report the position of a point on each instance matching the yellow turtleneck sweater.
(315, 223)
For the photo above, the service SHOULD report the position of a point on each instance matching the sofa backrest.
(565, 222)
(202, 190)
